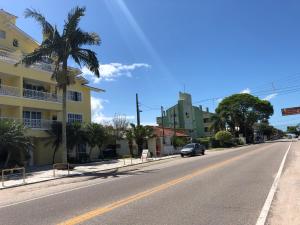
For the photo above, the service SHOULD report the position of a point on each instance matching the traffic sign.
(290, 111)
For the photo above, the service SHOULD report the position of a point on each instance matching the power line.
(287, 85)
(261, 93)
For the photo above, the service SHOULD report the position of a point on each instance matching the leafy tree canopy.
(240, 110)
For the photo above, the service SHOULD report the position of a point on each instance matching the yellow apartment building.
(29, 95)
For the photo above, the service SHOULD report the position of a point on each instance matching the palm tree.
(58, 48)
(141, 134)
(13, 142)
(96, 134)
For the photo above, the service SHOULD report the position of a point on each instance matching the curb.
(85, 173)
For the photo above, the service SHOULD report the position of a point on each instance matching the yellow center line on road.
(102, 210)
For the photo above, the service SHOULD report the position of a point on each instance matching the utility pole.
(138, 121)
(162, 122)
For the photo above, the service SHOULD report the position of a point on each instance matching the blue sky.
(214, 48)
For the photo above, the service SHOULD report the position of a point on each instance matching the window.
(2, 34)
(73, 118)
(32, 119)
(206, 120)
(74, 96)
(34, 87)
(206, 129)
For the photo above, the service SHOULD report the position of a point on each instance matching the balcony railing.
(9, 90)
(40, 95)
(32, 123)
(37, 123)
(14, 58)
(28, 93)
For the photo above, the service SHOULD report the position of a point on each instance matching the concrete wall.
(123, 148)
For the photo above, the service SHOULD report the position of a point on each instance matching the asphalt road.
(228, 187)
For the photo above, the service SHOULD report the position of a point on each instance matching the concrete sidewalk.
(286, 205)
(48, 174)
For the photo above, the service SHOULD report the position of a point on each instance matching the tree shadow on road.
(114, 173)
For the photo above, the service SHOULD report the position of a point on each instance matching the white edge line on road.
(266, 208)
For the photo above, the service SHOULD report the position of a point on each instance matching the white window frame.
(75, 114)
(70, 99)
(31, 121)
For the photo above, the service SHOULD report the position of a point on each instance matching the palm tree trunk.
(54, 154)
(64, 118)
(90, 153)
(7, 159)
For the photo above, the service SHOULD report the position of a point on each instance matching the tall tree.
(241, 111)
(58, 47)
(293, 129)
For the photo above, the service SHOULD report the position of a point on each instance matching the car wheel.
(182, 155)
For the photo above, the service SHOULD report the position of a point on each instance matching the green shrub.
(204, 141)
(225, 138)
(214, 143)
(178, 141)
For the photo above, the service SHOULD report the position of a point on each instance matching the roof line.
(8, 14)
(24, 33)
(94, 88)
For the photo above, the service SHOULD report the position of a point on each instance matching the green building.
(188, 117)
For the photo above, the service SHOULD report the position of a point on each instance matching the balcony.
(9, 90)
(39, 124)
(28, 93)
(40, 95)
(14, 58)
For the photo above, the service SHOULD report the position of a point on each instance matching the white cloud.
(149, 123)
(219, 100)
(246, 91)
(269, 97)
(97, 106)
(109, 72)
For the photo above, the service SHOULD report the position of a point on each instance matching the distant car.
(192, 149)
